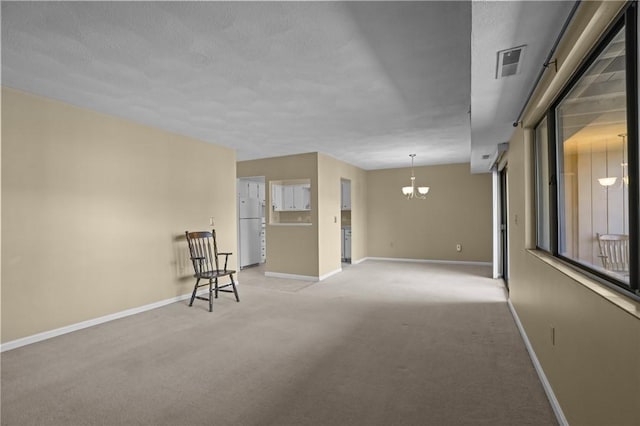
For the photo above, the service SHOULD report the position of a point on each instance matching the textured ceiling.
(496, 103)
(365, 82)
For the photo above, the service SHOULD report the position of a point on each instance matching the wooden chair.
(614, 252)
(204, 256)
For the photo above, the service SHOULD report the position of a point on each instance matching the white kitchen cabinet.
(243, 188)
(253, 189)
(250, 189)
(302, 197)
(261, 194)
(263, 245)
(277, 203)
(345, 195)
(291, 197)
(288, 197)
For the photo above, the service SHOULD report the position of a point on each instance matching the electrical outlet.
(211, 221)
(458, 247)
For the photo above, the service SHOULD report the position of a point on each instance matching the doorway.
(504, 227)
(345, 220)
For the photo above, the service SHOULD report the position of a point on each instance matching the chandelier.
(413, 191)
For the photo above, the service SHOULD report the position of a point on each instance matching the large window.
(587, 163)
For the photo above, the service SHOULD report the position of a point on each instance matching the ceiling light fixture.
(410, 191)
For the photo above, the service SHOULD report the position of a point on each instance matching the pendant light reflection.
(611, 180)
(412, 191)
(607, 181)
(625, 172)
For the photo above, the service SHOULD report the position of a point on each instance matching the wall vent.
(509, 61)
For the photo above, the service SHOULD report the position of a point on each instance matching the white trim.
(555, 405)
(450, 262)
(291, 276)
(495, 186)
(327, 275)
(90, 323)
(355, 262)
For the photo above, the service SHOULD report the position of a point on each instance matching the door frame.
(500, 184)
(504, 225)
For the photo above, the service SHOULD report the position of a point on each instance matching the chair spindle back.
(614, 251)
(203, 250)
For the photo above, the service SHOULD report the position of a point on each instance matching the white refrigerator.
(250, 218)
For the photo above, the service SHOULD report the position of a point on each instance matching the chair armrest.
(226, 259)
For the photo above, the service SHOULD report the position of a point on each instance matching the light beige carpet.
(254, 276)
(382, 343)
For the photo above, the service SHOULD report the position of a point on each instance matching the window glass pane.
(593, 202)
(542, 186)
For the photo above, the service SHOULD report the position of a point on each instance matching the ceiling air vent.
(509, 61)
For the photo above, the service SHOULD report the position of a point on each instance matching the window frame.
(538, 182)
(627, 19)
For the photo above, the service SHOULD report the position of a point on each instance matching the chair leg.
(210, 291)
(216, 287)
(193, 295)
(235, 290)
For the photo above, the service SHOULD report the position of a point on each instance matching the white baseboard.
(90, 323)
(450, 262)
(329, 274)
(291, 276)
(302, 277)
(355, 262)
(555, 405)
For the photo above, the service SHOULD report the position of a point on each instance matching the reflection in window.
(592, 161)
(542, 186)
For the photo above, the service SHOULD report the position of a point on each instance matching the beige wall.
(457, 211)
(94, 208)
(593, 366)
(290, 249)
(330, 172)
(383, 222)
(312, 250)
